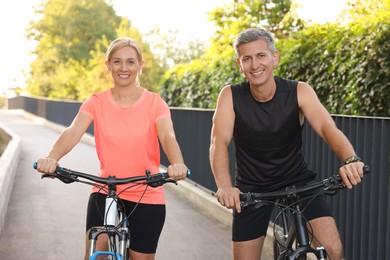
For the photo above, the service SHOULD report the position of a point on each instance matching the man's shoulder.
(239, 86)
(284, 84)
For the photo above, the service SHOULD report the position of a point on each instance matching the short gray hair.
(253, 34)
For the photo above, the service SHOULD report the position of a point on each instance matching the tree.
(73, 37)
(66, 36)
(169, 51)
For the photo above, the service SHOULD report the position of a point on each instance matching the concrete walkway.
(46, 218)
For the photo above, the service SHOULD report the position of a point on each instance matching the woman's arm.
(166, 134)
(65, 143)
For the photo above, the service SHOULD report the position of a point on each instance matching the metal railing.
(362, 214)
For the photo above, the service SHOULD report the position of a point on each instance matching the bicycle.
(115, 219)
(291, 240)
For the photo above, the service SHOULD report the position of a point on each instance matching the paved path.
(45, 218)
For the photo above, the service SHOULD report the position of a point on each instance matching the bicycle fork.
(112, 232)
(297, 233)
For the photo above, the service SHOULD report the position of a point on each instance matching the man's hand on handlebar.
(230, 198)
(352, 173)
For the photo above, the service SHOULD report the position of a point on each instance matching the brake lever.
(49, 175)
(65, 178)
(157, 183)
(171, 181)
(333, 184)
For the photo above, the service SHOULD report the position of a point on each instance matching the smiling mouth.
(258, 72)
(123, 76)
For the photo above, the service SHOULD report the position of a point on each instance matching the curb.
(8, 165)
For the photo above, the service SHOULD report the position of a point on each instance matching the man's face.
(257, 62)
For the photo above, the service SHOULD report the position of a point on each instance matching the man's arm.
(221, 135)
(323, 124)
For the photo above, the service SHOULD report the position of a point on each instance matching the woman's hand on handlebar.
(177, 171)
(47, 165)
(352, 173)
(230, 198)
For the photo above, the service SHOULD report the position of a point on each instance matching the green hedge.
(348, 67)
(197, 84)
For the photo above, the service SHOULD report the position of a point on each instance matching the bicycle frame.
(294, 233)
(289, 203)
(111, 217)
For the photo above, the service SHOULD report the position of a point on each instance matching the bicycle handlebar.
(68, 176)
(332, 183)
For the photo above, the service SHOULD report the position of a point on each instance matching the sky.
(188, 17)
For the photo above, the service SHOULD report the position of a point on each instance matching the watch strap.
(353, 158)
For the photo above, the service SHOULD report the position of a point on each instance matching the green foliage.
(67, 35)
(72, 27)
(73, 37)
(169, 51)
(348, 67)
(347, 64)
(198, 83)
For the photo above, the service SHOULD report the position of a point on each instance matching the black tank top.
(268, 138)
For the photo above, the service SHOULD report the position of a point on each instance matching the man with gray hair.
(265, 116)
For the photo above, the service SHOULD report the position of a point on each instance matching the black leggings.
(145, 223)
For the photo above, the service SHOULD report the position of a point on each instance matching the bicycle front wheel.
(280, 253)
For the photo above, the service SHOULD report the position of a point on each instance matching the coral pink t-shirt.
(127, 142)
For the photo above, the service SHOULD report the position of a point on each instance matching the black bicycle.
(291, 238)
(115, 219)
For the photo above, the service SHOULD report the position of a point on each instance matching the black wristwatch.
(353, 158)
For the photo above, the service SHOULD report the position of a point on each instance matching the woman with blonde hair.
(129, 121)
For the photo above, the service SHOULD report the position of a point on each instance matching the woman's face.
(124, 66)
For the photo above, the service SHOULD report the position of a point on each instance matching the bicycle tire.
(278, 254)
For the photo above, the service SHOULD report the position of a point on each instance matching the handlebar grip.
(366, 169)
(35, 165)
(244, 196)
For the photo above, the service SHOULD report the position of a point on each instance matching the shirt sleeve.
(161, 109)
(89, 106)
